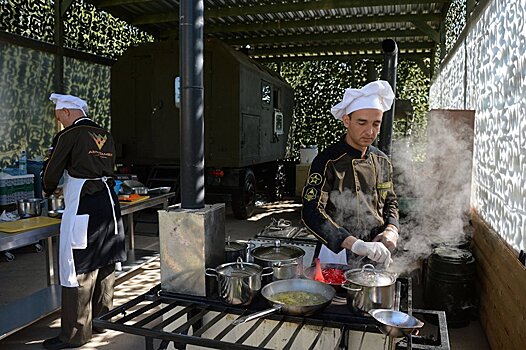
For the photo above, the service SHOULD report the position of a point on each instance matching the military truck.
(248, 113)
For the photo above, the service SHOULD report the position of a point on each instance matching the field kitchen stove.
(178, 321)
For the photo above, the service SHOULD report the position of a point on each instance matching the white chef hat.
(377, 95)
(70, 102)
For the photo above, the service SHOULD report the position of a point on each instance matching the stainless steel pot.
(368, 288)
(287, 261)
(55, 203)
(239, 282)
(29, 207)
(235, 250)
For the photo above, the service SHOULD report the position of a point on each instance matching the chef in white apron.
(91, 232)
(349, 201)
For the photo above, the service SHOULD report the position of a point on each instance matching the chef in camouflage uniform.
(348, 201)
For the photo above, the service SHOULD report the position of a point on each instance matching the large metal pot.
(287, 261)
(239, 282)
(29, 207)
(368, 288)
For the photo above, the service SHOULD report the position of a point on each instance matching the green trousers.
(92, 298)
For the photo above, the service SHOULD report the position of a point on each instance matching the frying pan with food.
(298, 297)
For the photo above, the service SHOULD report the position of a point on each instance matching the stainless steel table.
(29, 309)
(9, 241)
(129, 209)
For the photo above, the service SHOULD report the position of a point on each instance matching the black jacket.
(347, 195)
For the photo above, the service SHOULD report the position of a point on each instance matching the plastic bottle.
(22, 163)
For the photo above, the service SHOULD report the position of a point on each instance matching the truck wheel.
(244, 201)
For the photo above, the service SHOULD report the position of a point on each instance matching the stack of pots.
(286, 261)
(368, 288)
(239, 282)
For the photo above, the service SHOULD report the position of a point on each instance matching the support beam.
(323, 22)
(113, 3)
(427, 30)
(340, 48)
(295, 7)
(375, 57)
(307, 6)
(58, 36)
(311, 38)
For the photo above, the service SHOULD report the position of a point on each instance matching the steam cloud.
(434, 194)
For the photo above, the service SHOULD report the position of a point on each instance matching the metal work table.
(129, 209)
(29, 309)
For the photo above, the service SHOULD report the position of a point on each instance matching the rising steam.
(434, 194)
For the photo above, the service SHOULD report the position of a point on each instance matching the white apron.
(328, 257)
(74, 228)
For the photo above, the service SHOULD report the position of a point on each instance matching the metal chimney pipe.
(389, 74)
(192, 104)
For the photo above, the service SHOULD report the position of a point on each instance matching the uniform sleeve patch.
(315, 179)
(384, 185)
(310, 194)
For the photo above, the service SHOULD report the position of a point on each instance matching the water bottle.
(22, 163)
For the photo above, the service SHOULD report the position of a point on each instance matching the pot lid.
(238, 269)
(368, 276)
(277, 252)
(234, 246)
(452, 253)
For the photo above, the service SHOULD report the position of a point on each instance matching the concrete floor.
(26, 275)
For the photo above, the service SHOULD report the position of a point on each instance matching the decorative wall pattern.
(26, 75)
(91, 82)
(495, 87)
(26, 119)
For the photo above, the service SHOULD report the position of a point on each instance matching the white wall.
(488, 74)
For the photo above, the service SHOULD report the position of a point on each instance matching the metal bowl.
(396, 324)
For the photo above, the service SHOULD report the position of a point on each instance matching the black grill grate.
(199, 321)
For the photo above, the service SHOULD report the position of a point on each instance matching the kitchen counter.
(29, 309)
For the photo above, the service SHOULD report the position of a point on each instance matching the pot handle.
(345, 285)
(371, 266)
(270, 271)
(211, 272)
(279, 264)
(256, 315)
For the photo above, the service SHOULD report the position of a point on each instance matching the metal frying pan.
(291, 285)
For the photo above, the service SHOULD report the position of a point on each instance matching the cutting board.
(130, 201)
(27, 224)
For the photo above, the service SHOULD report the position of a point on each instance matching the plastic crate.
(13, 188)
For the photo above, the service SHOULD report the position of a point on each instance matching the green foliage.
(318, 85)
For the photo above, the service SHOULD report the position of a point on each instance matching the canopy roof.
(299, 29)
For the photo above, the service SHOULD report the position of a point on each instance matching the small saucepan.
(299, 297)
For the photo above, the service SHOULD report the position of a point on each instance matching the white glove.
(375, 251)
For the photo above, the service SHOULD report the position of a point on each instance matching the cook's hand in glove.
(388, 238)
(375, 251)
